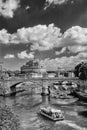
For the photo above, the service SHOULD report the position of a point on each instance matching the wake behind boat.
(51, 113)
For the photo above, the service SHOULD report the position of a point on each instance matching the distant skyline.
(52, 31)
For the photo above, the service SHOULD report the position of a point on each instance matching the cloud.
(55, 2)
(63, 62)
(27, 7)
(24, 55)
(4, 37)
(74, 39)
(82, 55)
(48, 37)
(72, 49)
(61, 51)
(8, 7)
(9, 56)
(42, 37)
(74, 36)
(77, 48)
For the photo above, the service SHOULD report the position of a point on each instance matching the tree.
(81, 73)
(77, 69)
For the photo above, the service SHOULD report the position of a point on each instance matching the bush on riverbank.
(8, 120)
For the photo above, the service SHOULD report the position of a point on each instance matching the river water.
(28, 106)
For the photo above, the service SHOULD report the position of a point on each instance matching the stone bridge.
(10, 86)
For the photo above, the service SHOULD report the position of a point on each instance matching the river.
(27, 108)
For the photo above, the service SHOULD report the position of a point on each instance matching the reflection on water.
(27, 107)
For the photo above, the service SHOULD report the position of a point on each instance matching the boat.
(64, 96)
(51, 113)
(81, 95)
(58, 83)
(61, 95)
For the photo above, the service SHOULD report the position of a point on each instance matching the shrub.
(8, 120)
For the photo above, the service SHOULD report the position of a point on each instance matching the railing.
(45, 78)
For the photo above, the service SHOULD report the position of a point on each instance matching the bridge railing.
(45, 78)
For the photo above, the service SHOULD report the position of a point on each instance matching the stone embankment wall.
(4, 88)
(1, 89)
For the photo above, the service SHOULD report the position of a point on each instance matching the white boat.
(51, 113)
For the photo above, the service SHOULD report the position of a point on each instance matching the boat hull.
(50, 117)
(82, 96)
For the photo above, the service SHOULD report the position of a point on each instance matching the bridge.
(9, 86)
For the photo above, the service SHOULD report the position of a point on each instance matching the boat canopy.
(51, 109)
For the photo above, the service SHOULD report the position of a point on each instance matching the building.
(65, 73)
(61, 73)
(52, 74)
(32, 66)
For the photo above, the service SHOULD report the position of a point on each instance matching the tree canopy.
(81, 71)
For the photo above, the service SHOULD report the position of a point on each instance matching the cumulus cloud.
(42, 37)
(74, 36)
(9, 56)
(53, 64)
(56, 1)
(48, 37)
(77, 48)
(75, 39)
(82, 55)
(63, 62)
(24, 55)
(4, 36)
(8, 7)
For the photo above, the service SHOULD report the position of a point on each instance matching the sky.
(52, 31)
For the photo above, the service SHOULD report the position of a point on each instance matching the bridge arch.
(31, 87)
(13, 88)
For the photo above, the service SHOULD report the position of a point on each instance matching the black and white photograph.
(43, 64)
